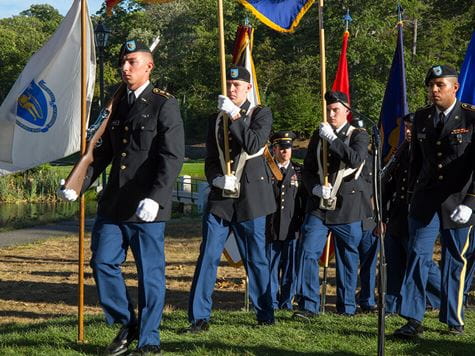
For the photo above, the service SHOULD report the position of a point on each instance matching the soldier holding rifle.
(144, 140)
(239, 201)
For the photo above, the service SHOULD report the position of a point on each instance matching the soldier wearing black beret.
(442, 199)
(144, 141)
(283, 227)
(239, 201)
(334, 207)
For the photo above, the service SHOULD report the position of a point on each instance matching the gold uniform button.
(439, 165)
(123, 154)
(124, 140)
(403, 189)
(142, 127)
(439, 154)
(402, 196)
(283, 186)
(438, 143)
(262, 178)
(405, 171)
(282, 207)
(404, 179)
(441, 177)
(283, 193)
(283, 200)
(123, 166)
(126, 128)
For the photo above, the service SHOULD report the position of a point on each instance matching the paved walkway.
(59, 229)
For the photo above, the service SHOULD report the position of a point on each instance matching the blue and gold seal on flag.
(36, 108)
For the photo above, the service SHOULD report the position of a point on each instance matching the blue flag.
(394, 106)
(466, 92)
(280, 15)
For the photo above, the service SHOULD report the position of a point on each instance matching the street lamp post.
(101, 33)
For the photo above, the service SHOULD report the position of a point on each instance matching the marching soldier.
(335, 207)
(283, 227)
(442, 183)
(394, 183)
(144, 140)
(239, 202)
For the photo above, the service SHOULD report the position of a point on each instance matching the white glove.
(147, 210)
(461, 214)
(225, 182)
(226, 105)
(66, 193)
(322, 191)
(326, 132)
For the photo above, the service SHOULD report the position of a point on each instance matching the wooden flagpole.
(83, 150)
(222, 66)
(323, 82)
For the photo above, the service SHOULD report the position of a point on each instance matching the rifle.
(387, 170)
(94, 133)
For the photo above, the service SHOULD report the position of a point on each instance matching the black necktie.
(440, 123)
(283, 170)
(131, 98)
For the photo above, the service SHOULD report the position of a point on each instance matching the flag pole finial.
(347, 19)
(400, 11)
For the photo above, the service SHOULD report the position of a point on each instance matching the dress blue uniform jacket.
(146, 148)
(441, 169)
(256, 196)
(351, 192)
(290, 197)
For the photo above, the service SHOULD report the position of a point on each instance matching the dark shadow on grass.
(216, 348)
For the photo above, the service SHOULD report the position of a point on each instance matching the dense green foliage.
(287, 65)
(235, 333)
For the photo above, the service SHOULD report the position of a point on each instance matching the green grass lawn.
(235, 333)
(194, 169)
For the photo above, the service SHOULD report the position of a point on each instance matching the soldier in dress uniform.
(441, 182)
(283, 227)
(240, 201)
(336, 207)
(144, 141)
(395, 203)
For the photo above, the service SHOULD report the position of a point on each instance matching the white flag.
(40, 119)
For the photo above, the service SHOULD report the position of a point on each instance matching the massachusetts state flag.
(40, 119)
(466, 92)
(280, 15)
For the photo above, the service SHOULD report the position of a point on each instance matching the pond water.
(14, 216)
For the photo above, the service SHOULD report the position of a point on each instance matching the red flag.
(342, 78)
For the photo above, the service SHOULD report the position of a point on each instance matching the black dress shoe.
(369, 309)
(265, 322)
(146, 350)
(303, 315)
(412, 329)
(456, 329)
(198, 326)
(121, 342)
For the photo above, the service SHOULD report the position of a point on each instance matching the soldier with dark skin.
(442, 190)
(348, 149)
(239, 201)
(144, 141)
(283, 227)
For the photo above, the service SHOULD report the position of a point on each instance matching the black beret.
(131, 46)
(334, 96)
(409, 118)
(238, 73)
(439, 71)
(283, 138)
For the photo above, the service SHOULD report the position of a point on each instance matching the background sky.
(10, 8)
